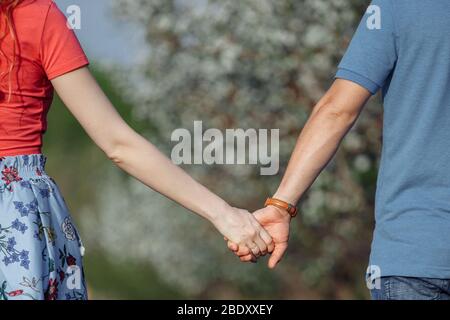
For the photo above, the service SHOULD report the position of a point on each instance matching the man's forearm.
(329, 122)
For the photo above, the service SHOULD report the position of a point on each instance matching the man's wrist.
(284, 206)
(284, 196)
(283, 213)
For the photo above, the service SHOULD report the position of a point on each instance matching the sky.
(102, 36)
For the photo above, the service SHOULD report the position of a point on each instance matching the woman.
(40, 249)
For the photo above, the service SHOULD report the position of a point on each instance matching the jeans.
(409, 288)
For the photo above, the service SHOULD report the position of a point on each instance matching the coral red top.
(45, 49)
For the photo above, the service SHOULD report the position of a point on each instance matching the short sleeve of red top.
(60, 51)
(46, 48)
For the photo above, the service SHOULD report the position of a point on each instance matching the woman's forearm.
(130, 151)
(142, 160)
(138, 157)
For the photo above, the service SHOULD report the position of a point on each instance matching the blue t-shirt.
(403, 48)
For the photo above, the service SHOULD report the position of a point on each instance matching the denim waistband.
(13, 168)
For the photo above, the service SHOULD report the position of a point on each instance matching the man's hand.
(276, 222)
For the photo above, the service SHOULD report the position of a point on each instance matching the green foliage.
(109, 279)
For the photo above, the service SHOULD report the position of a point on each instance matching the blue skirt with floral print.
(40, 248)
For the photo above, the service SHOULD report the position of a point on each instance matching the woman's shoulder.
(35, 13)
(36, 7)
(31, 18)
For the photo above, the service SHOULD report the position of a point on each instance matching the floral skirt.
(40, 248)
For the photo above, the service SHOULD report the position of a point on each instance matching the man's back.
(403, 47)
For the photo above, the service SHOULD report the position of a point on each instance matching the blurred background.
(232, 64)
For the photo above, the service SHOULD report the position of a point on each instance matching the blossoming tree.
(248, 64)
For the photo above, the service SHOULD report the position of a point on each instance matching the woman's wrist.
(217, 211)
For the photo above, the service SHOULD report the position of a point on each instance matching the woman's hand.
(241, 227)
(276, 221)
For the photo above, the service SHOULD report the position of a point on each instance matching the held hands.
(241, 227)
(276, 222)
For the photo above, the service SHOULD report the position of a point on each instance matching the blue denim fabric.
(409, 288)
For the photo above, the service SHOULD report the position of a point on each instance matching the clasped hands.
(266, 231)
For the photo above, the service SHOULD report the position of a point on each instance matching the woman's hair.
(6, 10)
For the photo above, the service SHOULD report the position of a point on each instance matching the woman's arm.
(134, 154)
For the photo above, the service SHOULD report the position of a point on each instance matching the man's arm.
(330, 120)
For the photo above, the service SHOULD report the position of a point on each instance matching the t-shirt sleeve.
(60, 50)
(372, 54)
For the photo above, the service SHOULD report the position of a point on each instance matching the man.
(403, 48)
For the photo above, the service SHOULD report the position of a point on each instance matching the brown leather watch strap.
(291, 209)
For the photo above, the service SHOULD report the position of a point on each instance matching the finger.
(271, 247)
(268, 240)
(262, 246)
(233, 246)
(225, 238)
(256, 251)
(243, 251)
(248, 258)
(265, 236)
(277, 255)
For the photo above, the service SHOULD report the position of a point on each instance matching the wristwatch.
(291, 209)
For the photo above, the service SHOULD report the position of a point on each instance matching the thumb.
(277, 254)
